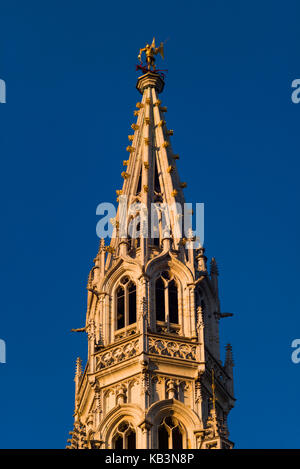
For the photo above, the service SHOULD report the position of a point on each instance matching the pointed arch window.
(170, 434)
(166, 300)
(125, 303)
(124, 437)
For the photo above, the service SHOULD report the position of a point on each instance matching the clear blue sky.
(70, 73)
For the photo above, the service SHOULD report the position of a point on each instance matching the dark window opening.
(156, 241)
(120, 308)
(125, 437)
(131, 440)
(156, 179)
(155, 224)
(139, 186)
(160, 300)
(129, 239)
(170, 422)
(163, 437)
(173, 302)
(132, 303)
(118, 442)
(166, 275)
(176, 438)
(169, 434)
(138, 229)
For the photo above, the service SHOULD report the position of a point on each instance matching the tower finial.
(150, 52)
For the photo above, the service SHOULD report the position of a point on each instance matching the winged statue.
(150, 52)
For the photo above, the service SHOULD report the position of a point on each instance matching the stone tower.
(154, 377)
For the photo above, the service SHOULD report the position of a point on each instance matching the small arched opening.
(124, 437)
(170, 434)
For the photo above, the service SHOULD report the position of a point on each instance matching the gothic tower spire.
(153, 368)
(150, 178)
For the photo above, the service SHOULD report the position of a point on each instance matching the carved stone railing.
(172, 348)
(164, 328)
(117, 354)
(126, 332)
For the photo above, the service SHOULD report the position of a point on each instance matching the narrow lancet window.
(120, 308)
(163, 437)
(131, 440)
(160, 300)
(173, 302)
(132, 302)
(139, 186)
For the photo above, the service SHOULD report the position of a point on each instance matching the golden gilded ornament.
(170, 169)
(130, 149)
(150, 52)
(125, 175)
(109, 249)
(166, 144)
(174, 193)
(134, 126)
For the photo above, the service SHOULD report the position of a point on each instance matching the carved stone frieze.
(170, 348)
(117, 355)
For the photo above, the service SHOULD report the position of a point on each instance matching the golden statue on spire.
(150, 52)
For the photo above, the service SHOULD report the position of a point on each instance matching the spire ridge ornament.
(78, 371)
(214, 267)
(229, 357)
